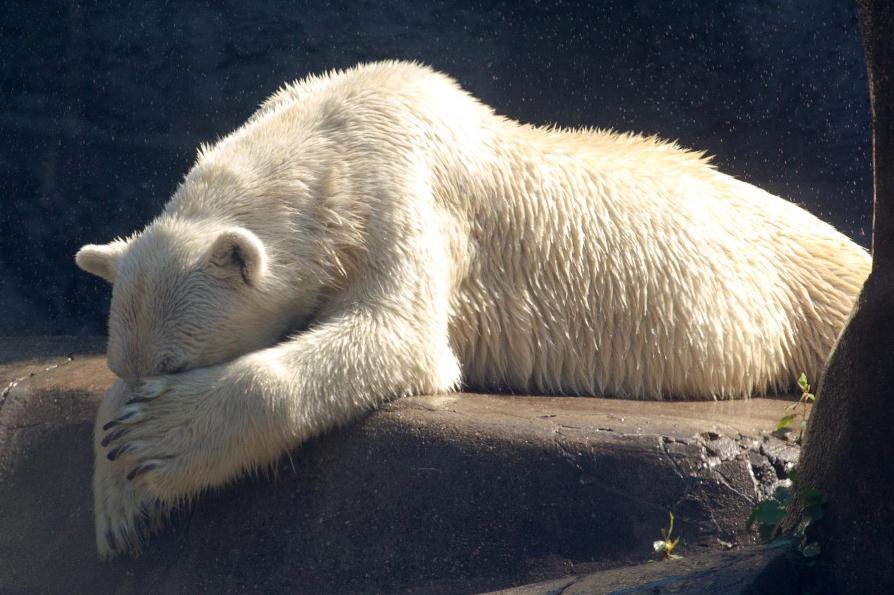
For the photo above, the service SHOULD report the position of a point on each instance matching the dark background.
(103, 104)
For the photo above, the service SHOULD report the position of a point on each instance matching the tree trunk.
(848, 454)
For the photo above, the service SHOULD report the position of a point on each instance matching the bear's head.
(189, 294)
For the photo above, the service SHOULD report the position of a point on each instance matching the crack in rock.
(663, 442)
(566, 586)
(726, 482)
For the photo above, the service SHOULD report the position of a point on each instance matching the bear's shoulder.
(388, 77)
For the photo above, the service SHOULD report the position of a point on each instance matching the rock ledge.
(442, 493)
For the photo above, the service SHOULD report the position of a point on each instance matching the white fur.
(411, 241)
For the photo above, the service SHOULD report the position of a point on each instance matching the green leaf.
(767, 514)
(811, 550)
(802, 382)
(784, 422)
(784, 495)
(781, 541)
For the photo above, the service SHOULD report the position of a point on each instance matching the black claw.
(137, 400)
(118, 420)
(116, 452)
(113, 436)
(141, 470)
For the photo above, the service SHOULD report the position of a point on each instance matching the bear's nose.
(132, 382)
(126, 374)
(117, 370)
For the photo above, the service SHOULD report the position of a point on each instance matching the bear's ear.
(101, 261)
(238, 254)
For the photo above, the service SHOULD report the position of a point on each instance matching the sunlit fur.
(412, 241)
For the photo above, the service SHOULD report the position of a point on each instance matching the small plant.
(665, 546)
(791, 410)
(769, 514)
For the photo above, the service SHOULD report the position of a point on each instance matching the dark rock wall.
(103, 104)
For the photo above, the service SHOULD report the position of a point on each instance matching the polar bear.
(378, 232)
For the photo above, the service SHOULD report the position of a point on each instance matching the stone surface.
(757, 570)
(429, 494)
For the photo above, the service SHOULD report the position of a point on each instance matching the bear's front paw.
(169, 436)
(150, 434)
(123, 513)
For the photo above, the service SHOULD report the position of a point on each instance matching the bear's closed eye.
(170, 365)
